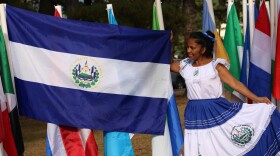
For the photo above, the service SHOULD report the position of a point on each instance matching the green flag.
(10, 95)
(233, 43)
(155, 18)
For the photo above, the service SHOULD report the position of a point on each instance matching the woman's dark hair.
(206, 40)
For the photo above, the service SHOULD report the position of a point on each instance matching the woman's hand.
(263, 100)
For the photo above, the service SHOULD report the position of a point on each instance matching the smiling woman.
(213, 125)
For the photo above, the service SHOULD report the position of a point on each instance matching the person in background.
(213, 125)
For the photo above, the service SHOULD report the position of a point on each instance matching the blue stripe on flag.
(174, 125)
(48, 148)
(92, 110)
(86, 38)
(246, 53)
(117, 143)
(259, 81)
(112, 19)
(207, 21)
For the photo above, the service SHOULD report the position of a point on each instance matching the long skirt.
(217, 127)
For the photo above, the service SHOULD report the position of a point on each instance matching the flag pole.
(244, 10)
(251, 20)
(159, 15)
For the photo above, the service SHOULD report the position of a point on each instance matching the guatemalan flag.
(89, 75)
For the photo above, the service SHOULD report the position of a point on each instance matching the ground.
(34, 134)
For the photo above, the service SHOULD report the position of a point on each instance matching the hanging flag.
(233, 43)
(246, 54)
(276, 82)
(11, 104)
(260, 64)
(172, 141)
(116, 143)
(7, 139)
(247, 49)
(208, 23)
(89, 68)
(58, 140)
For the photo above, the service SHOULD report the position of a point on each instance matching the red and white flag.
(6, 135)
(276, 82)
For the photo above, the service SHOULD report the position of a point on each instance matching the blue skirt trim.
(208, 113)
(269, 143)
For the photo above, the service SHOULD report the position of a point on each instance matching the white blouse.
(202, 82)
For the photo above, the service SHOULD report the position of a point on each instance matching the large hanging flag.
(260, 64)
(276, 83)
(115, 76)
(63, 140)
(233, 43)
(172, 141)
(10, 97)
(116, 143)
(208, 23)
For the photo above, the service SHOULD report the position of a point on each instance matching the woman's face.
(194, 50)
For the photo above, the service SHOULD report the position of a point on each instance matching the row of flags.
(11, 141)
(251, 64)
(67, 140)
(251, 61)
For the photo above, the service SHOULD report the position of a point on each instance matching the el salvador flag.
(89, 75)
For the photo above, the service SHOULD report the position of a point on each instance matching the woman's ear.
(202, 51)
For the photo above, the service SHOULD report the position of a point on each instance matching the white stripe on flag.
(11, 101)
(55, 140)
(115, 74)
(261, 49)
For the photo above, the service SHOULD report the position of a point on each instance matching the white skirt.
(216, 127)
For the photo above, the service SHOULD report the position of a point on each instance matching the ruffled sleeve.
(221, 61)
(184, 63)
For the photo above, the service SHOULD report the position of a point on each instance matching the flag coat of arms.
(89, 75)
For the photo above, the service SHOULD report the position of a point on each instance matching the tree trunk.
(191, 13)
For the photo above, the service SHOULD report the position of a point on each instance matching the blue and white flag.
(89, 75)
(246, 54)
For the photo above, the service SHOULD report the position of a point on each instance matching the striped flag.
(276, 82)
(8, 87)
(172, 141)
(247, 49)
(208, 23)
(233, 43)
(63, 140)
(260, 64)
(116, 143)
(117, 80)
(3, 112)
(7, 139)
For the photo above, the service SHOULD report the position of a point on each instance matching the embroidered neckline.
(196, 72)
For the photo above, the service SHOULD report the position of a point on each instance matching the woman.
(213, 125)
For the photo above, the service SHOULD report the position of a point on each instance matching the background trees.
(180, 16)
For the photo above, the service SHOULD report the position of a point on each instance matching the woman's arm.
(227, 78)
(175, 66)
